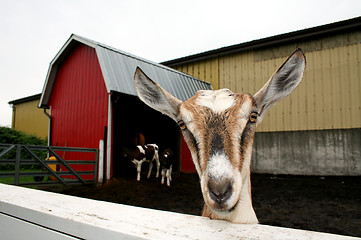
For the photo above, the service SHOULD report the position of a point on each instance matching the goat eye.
(253, 117)
(182, 125)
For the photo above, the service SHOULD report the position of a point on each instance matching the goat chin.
(243, 213)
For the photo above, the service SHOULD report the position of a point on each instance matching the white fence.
(33, 214)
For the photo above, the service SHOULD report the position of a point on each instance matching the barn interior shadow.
(132, 117)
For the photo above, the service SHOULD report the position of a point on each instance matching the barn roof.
(301, 35)
(25, 99)
(118, 70)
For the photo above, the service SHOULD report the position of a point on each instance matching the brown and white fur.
(147, 153)
(219, 128)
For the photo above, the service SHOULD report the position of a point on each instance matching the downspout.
(50, 124)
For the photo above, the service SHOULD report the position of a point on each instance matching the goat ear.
(282, 83)
(154, 95)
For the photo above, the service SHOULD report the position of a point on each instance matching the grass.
(10, 180)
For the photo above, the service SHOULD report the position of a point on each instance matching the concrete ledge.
(35, 214)
(318, 152)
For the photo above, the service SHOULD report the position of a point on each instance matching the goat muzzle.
(220, 192)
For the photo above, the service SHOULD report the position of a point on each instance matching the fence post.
(17, 164)
(100, 162)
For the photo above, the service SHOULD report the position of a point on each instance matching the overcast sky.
(33, 31)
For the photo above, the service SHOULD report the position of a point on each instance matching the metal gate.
(36, 165)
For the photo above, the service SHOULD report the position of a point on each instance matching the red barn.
(89, 91)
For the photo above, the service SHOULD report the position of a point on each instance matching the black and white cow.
(166, 162)
(147, 153)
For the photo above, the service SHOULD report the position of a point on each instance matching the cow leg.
(136, 165)
(170, 172)
(168, 177)
(150, 168)
(139, 168)
(163, 175)
(158, 164)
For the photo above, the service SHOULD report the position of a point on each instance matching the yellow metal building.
(28, 118)
(328, 98)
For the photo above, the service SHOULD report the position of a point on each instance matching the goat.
(166, 162)
(147, 153)
(219, 128)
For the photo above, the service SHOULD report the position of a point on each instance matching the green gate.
(37, 165)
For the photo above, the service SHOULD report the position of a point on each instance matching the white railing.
(33, 214)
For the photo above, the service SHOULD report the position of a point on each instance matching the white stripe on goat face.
(218, 101)
(216, 123)
(219, 167)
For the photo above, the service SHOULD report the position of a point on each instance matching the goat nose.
(220, 191)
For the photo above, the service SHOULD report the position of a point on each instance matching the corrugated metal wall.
(79, 102)
(207, 70)
(329, 97)
(30, 119)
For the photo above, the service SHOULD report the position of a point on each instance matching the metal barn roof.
(303, 35)
(118, 70)
(26, 99)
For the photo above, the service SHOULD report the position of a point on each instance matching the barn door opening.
(134, 123)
